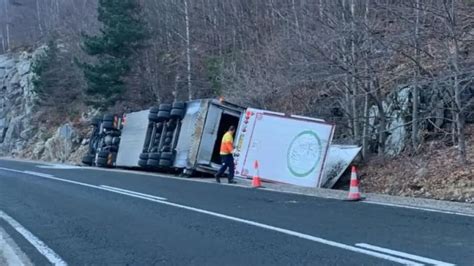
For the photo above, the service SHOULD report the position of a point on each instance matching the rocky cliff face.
(16, 103)
(20, 134)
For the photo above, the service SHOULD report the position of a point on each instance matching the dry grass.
(435, 173)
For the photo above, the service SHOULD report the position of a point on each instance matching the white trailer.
(288, 149)
(194, 138)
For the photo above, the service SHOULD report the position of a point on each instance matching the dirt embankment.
(434, 173)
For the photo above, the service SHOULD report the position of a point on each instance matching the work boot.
(218, 180)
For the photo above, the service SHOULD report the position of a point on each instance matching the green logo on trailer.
(304, 153)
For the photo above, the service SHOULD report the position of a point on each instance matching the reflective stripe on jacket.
(227, 144)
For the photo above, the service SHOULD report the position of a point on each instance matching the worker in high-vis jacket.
(227, 148)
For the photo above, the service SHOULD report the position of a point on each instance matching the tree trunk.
(460, 122)
(459, 115)
(415, 93)
(347, 80)
(4, 49)
(321, 9)
(365, 129)
(382, 119)
(366, 125)
(188, 51)
(38, 17)
(382, 129)
(297, 23)
(5, 3)
(353, 85)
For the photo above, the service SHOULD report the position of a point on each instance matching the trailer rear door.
(289, 149)
(209, 134)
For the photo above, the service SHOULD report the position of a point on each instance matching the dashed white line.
(42, 248)
(58, 166)
(37, 174)
(235, 219)
(404, 255)
(101, 187)
(133, 193)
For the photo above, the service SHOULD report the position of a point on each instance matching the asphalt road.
(90, 216)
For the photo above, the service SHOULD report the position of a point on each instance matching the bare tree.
(188, 50)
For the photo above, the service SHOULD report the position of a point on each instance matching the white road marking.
(10, 252)
(405, 255)
(101, 187)
(58, 166)
(132, 192)
(416, 208)
(52, 257)
(293, 233)
(62, 166)
(236, 219)
(232, 218)
(37, 174)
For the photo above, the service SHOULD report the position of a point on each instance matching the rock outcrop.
(20, 133)
(17, 100)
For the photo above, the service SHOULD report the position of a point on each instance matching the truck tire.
(108, 125)
(103, 154)
(163, 115)
(154, 156)
(113, 133)
(179, 105)
(166, 156)
(108, 140)
(154, 110)
(158, 136)
(111, 148)
(153, 163)
(143, 156)
(177, 113)
(165, 107)
(165, 163)
(108, 117)
(115, 141)
(170, 125)
(95, 121)
(88, 159)
(102, 162)
(153, 117)
(142, 163)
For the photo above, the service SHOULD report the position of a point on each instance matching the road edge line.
(236, 219)
(42, 248)
(9, 250)
(404, 255)
(416, 208)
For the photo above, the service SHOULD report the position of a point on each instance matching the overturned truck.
(184, 137)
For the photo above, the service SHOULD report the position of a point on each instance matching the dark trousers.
(227, 162)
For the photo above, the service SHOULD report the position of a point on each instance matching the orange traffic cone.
(354, 194)
(256, 182)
